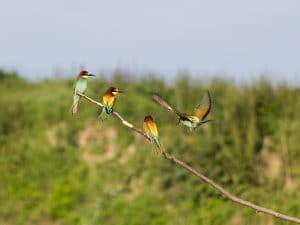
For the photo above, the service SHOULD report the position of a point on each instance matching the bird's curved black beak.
(91, 75)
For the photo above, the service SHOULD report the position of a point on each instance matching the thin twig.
(216, 186)
(229, 195)
(89, 99)
(125, 122)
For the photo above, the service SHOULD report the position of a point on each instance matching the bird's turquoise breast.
(81, 85)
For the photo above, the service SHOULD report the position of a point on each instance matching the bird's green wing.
(164, 103)
(204, 107)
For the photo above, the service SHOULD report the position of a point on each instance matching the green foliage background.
(58, 169)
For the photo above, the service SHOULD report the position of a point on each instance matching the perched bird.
(151, 132)
(80, 86)
(191, 121)
(108, 100)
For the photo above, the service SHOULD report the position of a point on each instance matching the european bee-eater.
(191, 121)
(108, 100)
(80, 86)
(152, 132)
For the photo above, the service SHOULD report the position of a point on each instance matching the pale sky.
(238, 38)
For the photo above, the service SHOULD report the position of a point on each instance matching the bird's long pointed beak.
(120, 91)
(91, 75)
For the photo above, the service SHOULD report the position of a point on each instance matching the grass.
(49, 175)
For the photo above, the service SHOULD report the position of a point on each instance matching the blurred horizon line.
(59, 72)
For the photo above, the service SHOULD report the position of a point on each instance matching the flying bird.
(80, 86)
(108, 100)
(194, 120)
(151, 131)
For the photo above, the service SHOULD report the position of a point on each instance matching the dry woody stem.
(216, 186)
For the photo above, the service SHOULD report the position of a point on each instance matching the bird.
(190, 120)
(80, 86)
(151, 131)
(108, 101)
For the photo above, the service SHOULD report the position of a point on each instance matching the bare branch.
(89, 99)
(229, 195)
(125, 122)
(216, 186)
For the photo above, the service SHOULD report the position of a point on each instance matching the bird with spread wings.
(190, 120)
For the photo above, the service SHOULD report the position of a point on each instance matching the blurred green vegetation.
(58, 169)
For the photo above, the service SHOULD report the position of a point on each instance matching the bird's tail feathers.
(157, 142)
(103, 115)
(158, 147)
(73, 109)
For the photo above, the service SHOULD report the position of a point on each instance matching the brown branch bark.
(216, 186)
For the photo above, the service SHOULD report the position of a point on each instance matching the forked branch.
(216, 186)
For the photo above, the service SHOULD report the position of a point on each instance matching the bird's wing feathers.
(204, 107)
(164, 103)
(153, 129)
(146, 128)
